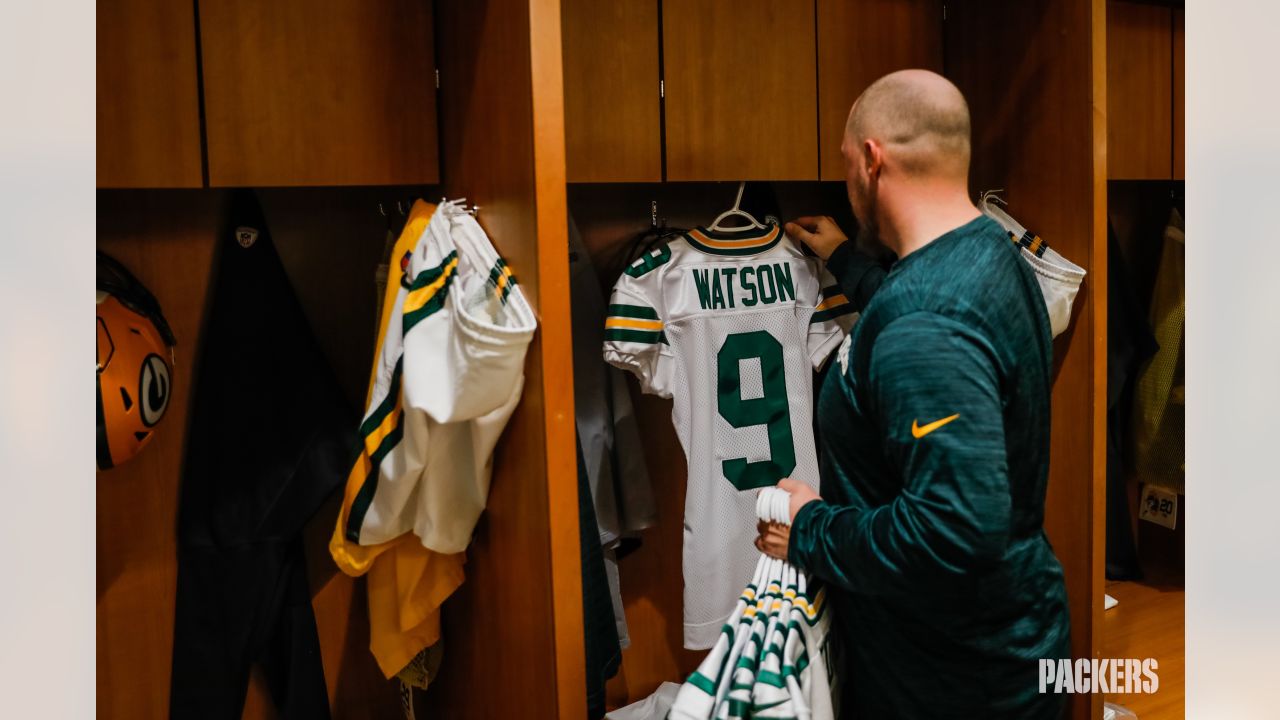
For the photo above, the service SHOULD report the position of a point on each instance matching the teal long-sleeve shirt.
(933, 428)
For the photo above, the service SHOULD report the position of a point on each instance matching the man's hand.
(820, 233)
(773, 539)
(775, 536)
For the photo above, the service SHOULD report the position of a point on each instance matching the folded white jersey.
(453, 360)
(771, 693)
(739, 642)
(810, 657)
(774, 659)
(731, 326)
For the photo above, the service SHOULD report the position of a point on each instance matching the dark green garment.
(944, 586)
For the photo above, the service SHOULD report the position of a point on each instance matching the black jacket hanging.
(271, 436)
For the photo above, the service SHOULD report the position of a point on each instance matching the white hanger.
(735, 210)
(988, 204)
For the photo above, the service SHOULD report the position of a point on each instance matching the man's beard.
(868, 237)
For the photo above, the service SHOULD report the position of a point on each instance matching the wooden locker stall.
(1040, 134)
(651, 576)
(513, 632)
(503, 148)
(1038, 108)
(167, 239)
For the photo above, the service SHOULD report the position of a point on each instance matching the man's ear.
(873, 155)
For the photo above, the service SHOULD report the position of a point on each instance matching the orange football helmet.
(135, 364)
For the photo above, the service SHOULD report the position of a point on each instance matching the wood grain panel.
(1139, 58)
(319, 92)
(741, 89)
(1039, 109)
(612, 124)
(167, 239)
(168, 246)
(148, 105)
(1179, 93)
(518, 617)
(860, 41)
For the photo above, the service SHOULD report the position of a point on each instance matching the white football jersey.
(773, 659)
(731, 326)
(809, 659)
(450, 373)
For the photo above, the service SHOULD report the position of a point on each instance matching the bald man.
(933, 434)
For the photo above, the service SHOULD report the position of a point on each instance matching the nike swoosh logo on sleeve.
(918, 431)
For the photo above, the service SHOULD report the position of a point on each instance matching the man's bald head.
(920, 119)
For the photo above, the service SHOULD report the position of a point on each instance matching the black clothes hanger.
(651, 237)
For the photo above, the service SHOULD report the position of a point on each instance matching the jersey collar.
(753, 242)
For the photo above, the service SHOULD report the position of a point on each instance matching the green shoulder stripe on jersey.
(364, 497)
(637, 336)
(430, 308)
(502, 287)
(639, 312)
(648, 262)
(702, 683)
(444, 273)
(496, 271)
(429, 275)
(1030, 241)
(833, 305)
(772, 679)
(388, 403)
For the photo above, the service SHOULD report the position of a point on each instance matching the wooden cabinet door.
(1139, 99)
(1179, 99)
(319, 92)
(612, 126)
(741, 89)
(148, 106)
(860, 41)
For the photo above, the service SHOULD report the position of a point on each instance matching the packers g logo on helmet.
(135, 370)
(153, 389)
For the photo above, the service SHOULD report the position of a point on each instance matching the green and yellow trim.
(1031, 242)
(745, 243)
(429, 291)
(380, 433)
(833, 305)
(633, 323)
(502, 280)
